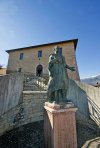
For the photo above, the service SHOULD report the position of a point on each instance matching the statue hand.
(72, 69)
(57, 62)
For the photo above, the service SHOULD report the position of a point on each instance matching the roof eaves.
(73, 40)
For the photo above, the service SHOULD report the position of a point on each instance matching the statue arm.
(71, 68)
(66, 66)
(52, 61)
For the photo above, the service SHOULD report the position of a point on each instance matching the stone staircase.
(33, 85)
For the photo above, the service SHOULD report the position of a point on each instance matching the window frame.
(60, 51)
(40, 53)
(21, 54)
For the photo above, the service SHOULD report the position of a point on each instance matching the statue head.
(56, 49)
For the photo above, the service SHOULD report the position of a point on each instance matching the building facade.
(34, 59)
(3, 71)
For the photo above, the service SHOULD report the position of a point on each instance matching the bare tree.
(1, 66)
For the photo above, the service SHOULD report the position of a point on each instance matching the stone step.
(33, 86)
(32, 89)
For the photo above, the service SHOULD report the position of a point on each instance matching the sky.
(26, 23)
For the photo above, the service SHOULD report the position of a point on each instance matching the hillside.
(91, 80)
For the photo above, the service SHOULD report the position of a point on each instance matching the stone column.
(59, 127)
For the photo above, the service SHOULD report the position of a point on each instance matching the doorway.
(39, 70)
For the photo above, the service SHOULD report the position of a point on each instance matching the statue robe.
(58, 74)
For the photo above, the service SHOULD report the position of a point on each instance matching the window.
(21, 56)
(60, 51)
(20, 69)
(40, 54)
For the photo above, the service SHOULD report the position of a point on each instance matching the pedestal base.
(59, 128)
(60, 105)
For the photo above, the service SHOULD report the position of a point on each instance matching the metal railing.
(37, 82)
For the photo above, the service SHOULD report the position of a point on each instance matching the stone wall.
(11, 87)
(30, 110)
(87, 99)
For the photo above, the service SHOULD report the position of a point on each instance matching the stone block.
(59, 106)
(16, 111)
(28, 120)
(1, 126)
(33, 119)
(12, 124)
(9, 114)
(6, 126)
(1, 131)
(5, 121)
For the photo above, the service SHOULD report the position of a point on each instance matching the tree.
(1, 66)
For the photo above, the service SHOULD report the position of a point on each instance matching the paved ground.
(31, 136)
(87, 138)
(27, 136)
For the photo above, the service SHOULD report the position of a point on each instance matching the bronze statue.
(58, 80)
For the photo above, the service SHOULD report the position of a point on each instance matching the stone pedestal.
(59, 128)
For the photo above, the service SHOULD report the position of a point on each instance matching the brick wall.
(31, 60)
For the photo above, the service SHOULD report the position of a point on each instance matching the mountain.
(91, 80)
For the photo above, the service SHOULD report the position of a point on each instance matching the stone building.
(2, 71)
(34, 59)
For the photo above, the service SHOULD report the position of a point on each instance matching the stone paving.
(31, 136)
(87, 138)
(26, 136)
